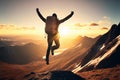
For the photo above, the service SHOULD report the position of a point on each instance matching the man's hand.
(72, 12)
(37, 9)
(40, 15)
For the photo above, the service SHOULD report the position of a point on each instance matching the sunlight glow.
(64, 31)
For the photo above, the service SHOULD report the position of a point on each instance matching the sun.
(64, 31)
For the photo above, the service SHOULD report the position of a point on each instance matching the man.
(52, 24)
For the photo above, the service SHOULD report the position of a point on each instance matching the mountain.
(86, 54)
(104, 53)
(84, 41)
(21, 54)
(67, 61)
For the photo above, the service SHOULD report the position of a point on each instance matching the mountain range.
(21, 54)
(91, 58)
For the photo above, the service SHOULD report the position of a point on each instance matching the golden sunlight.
(64, 31)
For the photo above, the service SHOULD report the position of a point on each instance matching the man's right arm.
(40, 15)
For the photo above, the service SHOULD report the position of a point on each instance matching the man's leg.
(49, 40)
(56, 46)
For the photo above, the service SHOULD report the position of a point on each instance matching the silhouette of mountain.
(104, 53)
(85, 41)
(21, 54)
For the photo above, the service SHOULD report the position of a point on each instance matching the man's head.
(54, 14)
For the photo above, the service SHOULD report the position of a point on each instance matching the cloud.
(14, 27)
(94, 24)
(80, 25)
(105, 22)
(106, 17)
(105, 28)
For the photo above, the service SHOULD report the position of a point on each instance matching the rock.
(53, 75)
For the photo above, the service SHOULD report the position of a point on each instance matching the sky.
(91, 17)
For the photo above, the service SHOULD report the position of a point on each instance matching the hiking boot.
(47, 61)
(52, 51)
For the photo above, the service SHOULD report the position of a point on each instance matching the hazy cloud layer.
(14, 27)
(104, 24)
(80, 25)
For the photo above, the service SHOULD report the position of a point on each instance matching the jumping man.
(51, 28)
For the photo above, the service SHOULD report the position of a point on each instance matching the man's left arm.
(67, 17)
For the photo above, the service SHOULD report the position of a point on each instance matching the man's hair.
(54, 14)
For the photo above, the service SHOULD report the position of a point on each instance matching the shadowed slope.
(53, 75)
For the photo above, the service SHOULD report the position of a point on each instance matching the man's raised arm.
(66, 18)
(40, 15)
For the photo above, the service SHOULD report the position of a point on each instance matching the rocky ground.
(102, 74)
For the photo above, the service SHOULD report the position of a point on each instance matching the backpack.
(51, 25)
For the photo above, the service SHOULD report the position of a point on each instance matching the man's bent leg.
(55, 46)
